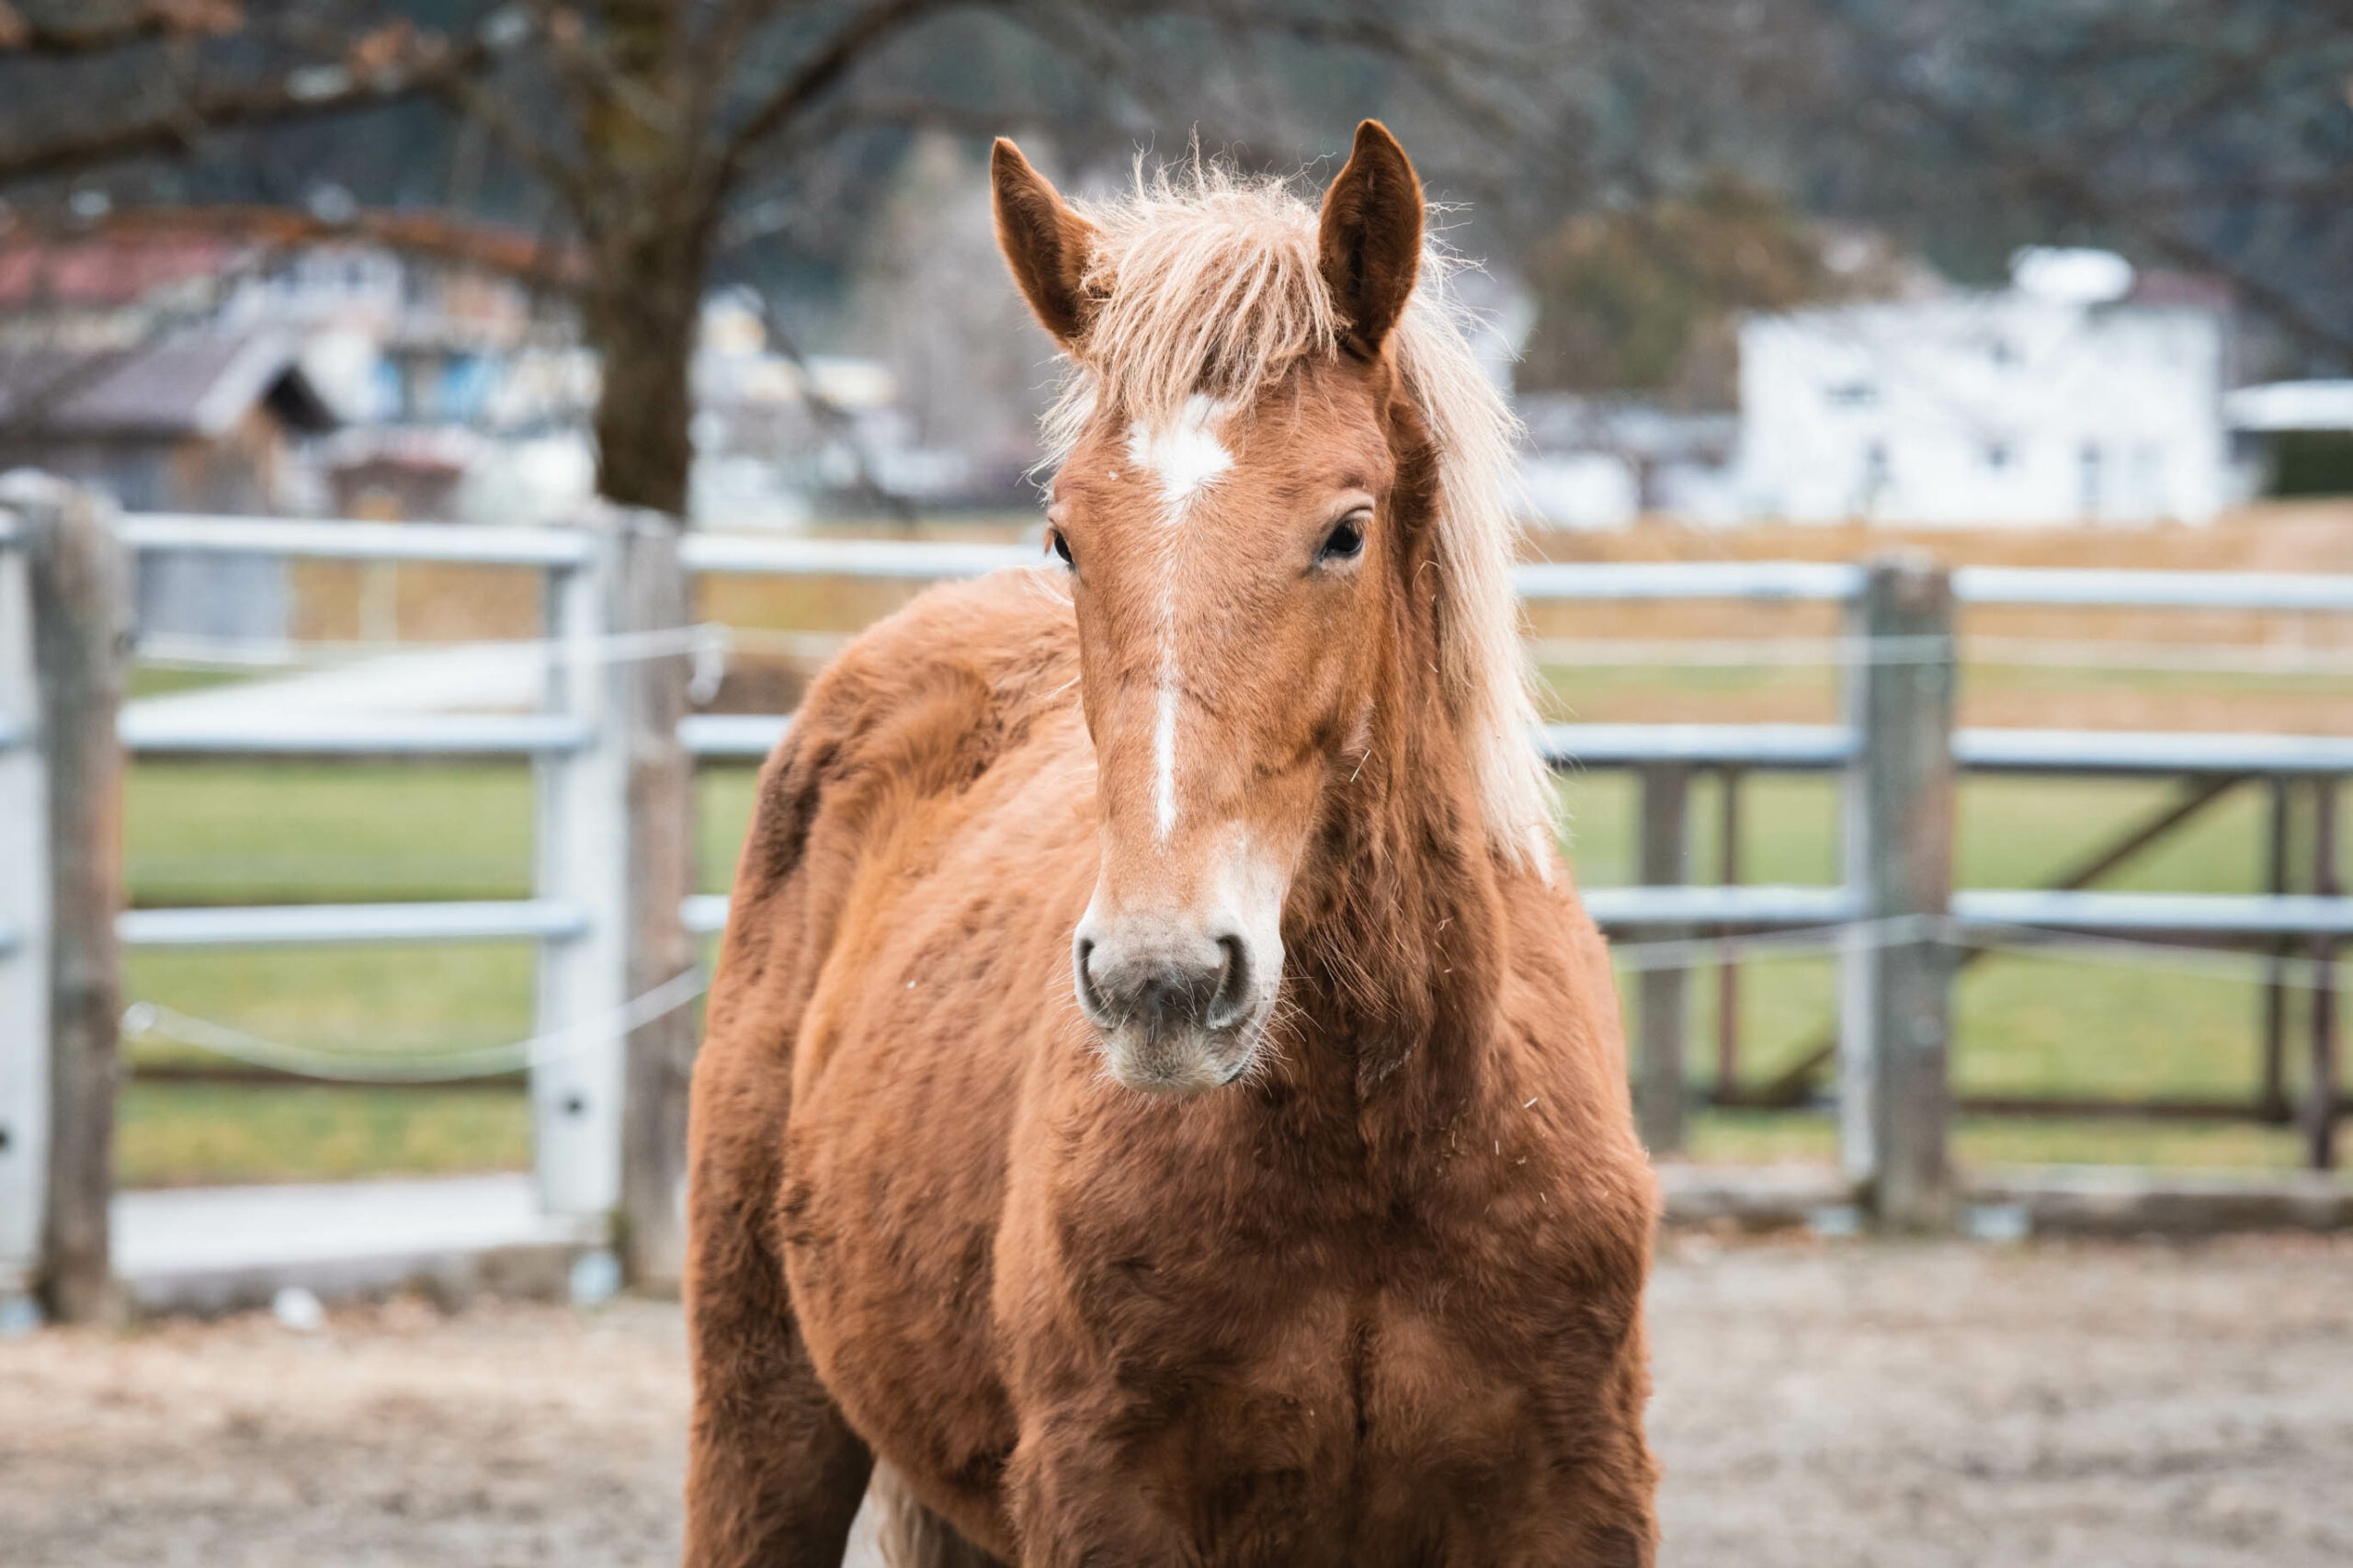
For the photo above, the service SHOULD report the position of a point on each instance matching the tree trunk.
(643, 316)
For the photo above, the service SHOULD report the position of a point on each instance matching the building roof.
(200, 385)
(106, 271)
(1629, 427)
(2291, 406)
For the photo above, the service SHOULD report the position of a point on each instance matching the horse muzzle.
(1180, 1006)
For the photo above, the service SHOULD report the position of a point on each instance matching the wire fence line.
(1836, 652)
(709, 640)
(157, 1022)
(711, 644)
(152, 1020)
(190, 651)
(2294, 971)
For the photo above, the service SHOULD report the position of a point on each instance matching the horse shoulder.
(914, 708)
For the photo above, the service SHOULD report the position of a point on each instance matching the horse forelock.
(1206, 285)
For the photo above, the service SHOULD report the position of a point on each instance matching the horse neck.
(1405, 945)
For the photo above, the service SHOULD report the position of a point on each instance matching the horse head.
(1243, 505)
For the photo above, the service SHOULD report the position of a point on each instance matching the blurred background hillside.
(1920, 260)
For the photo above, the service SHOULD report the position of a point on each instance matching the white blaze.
(1185, 457)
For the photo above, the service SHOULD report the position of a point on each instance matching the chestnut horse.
(1163, 1102)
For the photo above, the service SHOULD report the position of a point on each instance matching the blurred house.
(2293, 437)
(423, 363)
(395, 473)
(109, 293)
(204, 423)
(1595, 462)
(2081, 392)
(456, 396)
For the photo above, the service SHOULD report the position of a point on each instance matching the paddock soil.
(1817, 1403)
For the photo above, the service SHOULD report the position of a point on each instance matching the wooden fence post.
(2277, 880)
(1895, 1017)
(1658, 1075)
(1727, 1089)
(651, 686)
(78, 582)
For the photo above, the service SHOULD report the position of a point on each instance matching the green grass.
(151, 680)
(214, 833)
(171, 1135)
(250, 833)
(209, 832)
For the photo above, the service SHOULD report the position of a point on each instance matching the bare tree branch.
(817, 74)
(2039, 172)
(483, 106)
(433, 237)
(831, 415)
(37, 36)
(369, 77)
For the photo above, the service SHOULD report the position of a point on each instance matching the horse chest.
(1344, 1369)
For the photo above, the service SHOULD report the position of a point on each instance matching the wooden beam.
(79, 577)
(1658, 1073)
(1896, 1008)
(1728, 965)
(2278, 871)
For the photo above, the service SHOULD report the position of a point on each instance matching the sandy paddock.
(1818, 1405)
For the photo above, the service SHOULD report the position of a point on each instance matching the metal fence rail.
(328, 925)
(1763, 581)
(372, 735)
(2104, 588)
(1828, 748)
(345, 539)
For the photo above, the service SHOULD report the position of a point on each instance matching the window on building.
(1997, 454)
(1878, 476)
(1852, 394)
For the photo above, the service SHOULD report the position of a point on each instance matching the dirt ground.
(1818, 1405)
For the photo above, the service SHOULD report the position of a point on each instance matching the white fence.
(620, 657)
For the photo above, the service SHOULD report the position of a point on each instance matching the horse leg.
(774, 1474)
(910, 1535)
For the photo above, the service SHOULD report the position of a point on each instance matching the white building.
(1600, 463)
(2058, 400)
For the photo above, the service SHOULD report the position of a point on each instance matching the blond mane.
(1207, 282)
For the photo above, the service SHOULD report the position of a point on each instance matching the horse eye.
(1346, 543)
(1061, 548)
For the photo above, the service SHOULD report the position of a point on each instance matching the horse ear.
(1370, 247)
(1046, 244)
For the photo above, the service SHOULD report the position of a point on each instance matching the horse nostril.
(1231, 1004)
(1090, 1001)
